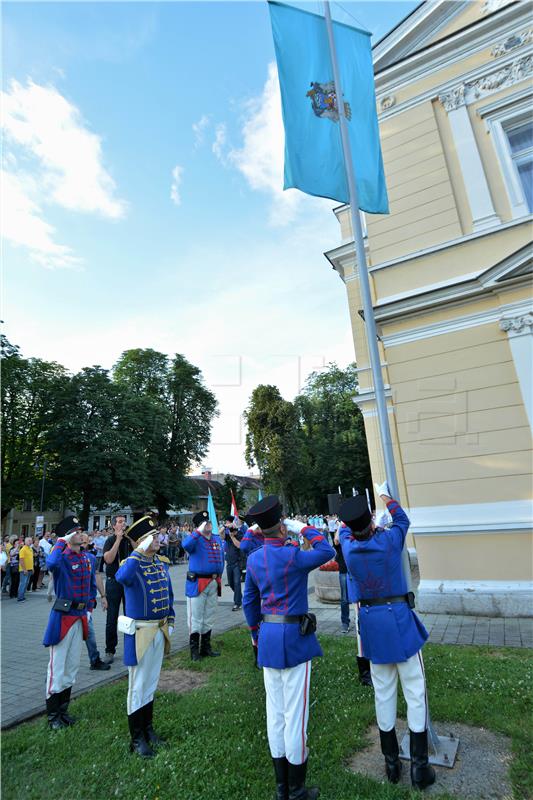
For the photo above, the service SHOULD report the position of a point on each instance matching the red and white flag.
(233, 508)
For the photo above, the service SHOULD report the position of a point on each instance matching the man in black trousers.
(116, 549)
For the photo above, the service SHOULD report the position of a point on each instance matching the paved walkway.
(24, 659)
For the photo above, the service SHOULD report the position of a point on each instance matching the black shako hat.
(266, 513)
(355, 513)
(68, 525)
(201, 516)
(140, 529)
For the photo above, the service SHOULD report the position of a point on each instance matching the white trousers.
(64, 661)
(201, 610)
(143, 679)
(413, 680)
(287, 708)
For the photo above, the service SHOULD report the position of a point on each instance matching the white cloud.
(177, 174)
(199, 129)
(52, 158)
(261, 157)
(22, 224)
(219, 145)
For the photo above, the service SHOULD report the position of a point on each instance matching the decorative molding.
(489, 6)
(468, 92)
(454, 98)
(512, 42)
(476, 598)
(387, 102)
(517, 326)
(466, 518)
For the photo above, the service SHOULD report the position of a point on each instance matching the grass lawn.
(217, 735)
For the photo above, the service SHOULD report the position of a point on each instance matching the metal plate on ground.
(443, 757)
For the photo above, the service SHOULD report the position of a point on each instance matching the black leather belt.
(280, 618)
(78, 606)
(384, 601)
(207, 575)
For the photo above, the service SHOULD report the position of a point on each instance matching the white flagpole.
(368, 309)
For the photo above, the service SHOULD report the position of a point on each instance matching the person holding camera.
(116, 548)
(68, 626)
(233, 535)
(276, 609)
(203, 583)
(392, 635)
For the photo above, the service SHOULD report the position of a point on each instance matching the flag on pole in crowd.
(212, 513)
(314, 161)
(233, 508)
(259, 495)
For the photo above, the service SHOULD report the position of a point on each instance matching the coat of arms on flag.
(324, 101)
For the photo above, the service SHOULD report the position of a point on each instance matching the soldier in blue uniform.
(275, 605)
(391, 633)
(252, 540)
(203, 584)
(149, 603)
(75, 588)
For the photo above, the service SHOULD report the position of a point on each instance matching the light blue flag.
(314, 161)
(259, 495)
(212, 513)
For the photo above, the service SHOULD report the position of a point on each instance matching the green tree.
(95, 434)
(223, 497)
(334, 433)
(274, 443)
(31, 389)
(183, 431)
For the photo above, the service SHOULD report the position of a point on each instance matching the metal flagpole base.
(442, 749)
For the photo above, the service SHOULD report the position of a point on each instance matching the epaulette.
(164, 559)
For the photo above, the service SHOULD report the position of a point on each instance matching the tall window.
(521, 145)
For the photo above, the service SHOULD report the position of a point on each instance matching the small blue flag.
(212, 513)
(259, 495)
(314, 161)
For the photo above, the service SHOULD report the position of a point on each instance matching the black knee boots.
(363, 665)
(281, 770)
(149, 734)
(422, 775)
(53, 713)
(205, 649)
(297, 787)
(194, 644)
(138, 743)
(63, 707)
(391, 751)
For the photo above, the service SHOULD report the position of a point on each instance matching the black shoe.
(206, 649)
(63, 707)
(99, 664)
(363, 665)
(391, 751)
(138, 743)
(109, 658)
(422, 775)
(281, 770)
(194, 644)
(297, 787)
(55, 722)
(149, 734)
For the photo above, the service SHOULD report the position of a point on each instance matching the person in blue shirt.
(203, 583)
(276, 609)
(233, 534)
(149, 602)
(391, 633)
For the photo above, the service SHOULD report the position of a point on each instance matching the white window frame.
(498, 121)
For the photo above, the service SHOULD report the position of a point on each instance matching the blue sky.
(143, 203)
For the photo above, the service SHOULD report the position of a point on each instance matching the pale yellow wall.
(473, 12)
(479, 557)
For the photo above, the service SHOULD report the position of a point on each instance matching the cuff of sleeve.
(253, 627)
(392, 505)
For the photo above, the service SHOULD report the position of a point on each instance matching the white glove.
(70, 536)
(145, 544)
(382, 520)
(294, 526)
(382, 489)
(254, 528)
(201, 527)
(170, 630)
(89, 615)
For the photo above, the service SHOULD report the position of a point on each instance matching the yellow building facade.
(450, 270)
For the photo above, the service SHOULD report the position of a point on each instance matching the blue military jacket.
(206, 557)
(148, 593)
(276, 583)
(251, 541)
(389, 633)
(74, 579)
